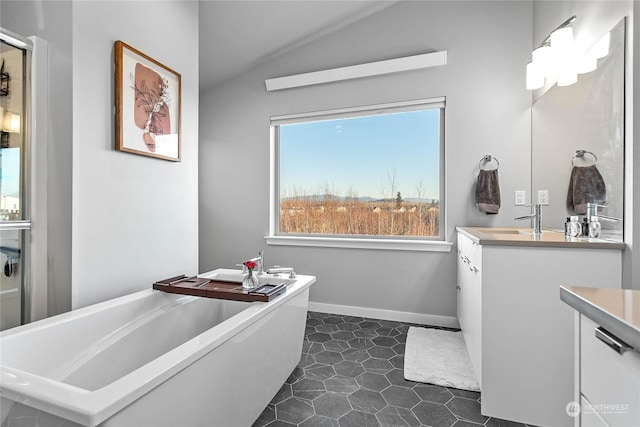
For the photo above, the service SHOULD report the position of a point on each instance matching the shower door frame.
(33, 224)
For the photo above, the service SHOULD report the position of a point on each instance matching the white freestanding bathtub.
(154, 359)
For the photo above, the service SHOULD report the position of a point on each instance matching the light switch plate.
(520, 197)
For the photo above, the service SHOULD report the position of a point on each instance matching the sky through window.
(361, 155)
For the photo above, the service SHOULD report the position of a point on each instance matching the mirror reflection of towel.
(488, 191)
(585, 186)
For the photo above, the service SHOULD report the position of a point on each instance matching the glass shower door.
(15, 224)
(12, 311)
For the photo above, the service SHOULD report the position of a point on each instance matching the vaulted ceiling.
(237, 35)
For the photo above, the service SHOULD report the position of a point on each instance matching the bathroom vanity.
(518, 333)
(607, 355)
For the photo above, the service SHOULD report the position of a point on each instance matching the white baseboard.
(376, 313)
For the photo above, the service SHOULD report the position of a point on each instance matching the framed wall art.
(148, 105)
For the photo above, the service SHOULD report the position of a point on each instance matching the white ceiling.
(237, 35)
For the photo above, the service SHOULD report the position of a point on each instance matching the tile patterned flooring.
(351, 375)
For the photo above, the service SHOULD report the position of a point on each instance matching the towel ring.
(580, 154)
(488, 159)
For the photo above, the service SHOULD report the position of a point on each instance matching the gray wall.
(595, 18)
(488, 107)
(631, 263)
(52, 22)
(121, 220)
(135, 218)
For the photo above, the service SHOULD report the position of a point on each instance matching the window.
(361, 174)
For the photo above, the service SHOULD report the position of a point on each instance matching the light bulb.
(601, 49)
(535, 79)
(14, 123)
(586, 64)
(567, 78)
(562, 40)
(542, 57)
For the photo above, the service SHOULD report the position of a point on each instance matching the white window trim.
(356, 242)
(372, 110)
(360, 243)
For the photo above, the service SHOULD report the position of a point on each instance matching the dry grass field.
(333, 215)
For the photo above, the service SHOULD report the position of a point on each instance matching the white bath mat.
(438, 357)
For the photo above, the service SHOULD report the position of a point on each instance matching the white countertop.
(616, 310)
(512, 236)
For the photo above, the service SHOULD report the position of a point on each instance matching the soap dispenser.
(575, 229)
(594, 227)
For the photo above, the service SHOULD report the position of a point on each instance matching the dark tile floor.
(351, 375)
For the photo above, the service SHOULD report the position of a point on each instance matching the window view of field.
(376, 175)
(334, 215)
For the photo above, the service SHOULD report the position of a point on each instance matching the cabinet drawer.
(609, 380)
(469, 251)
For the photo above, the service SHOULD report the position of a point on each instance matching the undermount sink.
(528, 232)
(500, 231)
(516, 232)
(511, 231)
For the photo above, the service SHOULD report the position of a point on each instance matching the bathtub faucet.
(259, 260)
(277, 270)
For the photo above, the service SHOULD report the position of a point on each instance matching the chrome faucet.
(260, 263)
(592, 210)
(259, 260)
(277, 270)
(537, 218)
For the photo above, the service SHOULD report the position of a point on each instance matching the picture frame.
(148, 116)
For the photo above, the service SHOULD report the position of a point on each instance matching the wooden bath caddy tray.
(202, 287)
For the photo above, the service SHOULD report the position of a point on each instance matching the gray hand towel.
(488, 191)
(585, 186)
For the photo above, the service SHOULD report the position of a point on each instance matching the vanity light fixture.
(550, 58)
(10, 123)
(557, 58)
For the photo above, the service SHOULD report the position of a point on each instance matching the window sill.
(356, 243)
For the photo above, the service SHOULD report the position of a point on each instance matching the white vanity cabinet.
(470, 299)
(607, 359)
(609, 381)
(518, 333)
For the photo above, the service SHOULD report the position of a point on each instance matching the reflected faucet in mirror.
(592, 211)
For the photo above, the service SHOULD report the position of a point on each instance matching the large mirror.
(578, 143)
